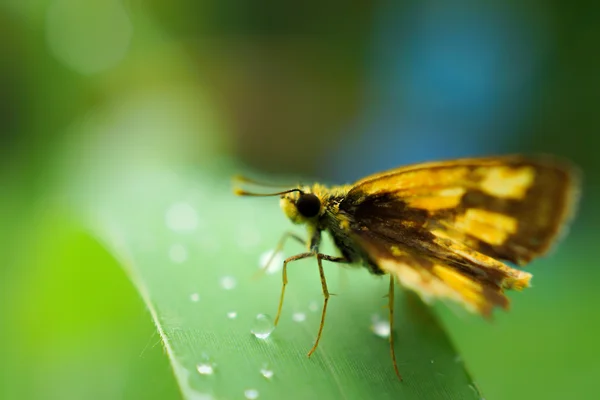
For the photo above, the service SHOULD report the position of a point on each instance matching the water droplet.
(380, 327)
(458, 359)
(299, 317)
(313, 306)
(195, 297)
(181, 217)
(188, 382)
(276, 263)
(231, 314)
(178, 253)
(266, 372)
(432, 361)
(228, 282)
(263, 326)
(251, 394)
(205, 368)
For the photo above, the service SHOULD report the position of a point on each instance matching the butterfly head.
(301, 205)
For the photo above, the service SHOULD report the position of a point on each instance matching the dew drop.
(276, 263)
(228, 282)
(181, 217)
(195, 297)
(231, 314)
(178, 253)
(313, 306)
(380, 327)
(266, 372)
(263, 326)
(206, 366)
(188, 383)
(299, 317)
(251, 394)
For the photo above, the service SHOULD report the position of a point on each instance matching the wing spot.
(493, 228)
(507, 182)
(437, 200)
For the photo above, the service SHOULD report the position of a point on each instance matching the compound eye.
(308, 205)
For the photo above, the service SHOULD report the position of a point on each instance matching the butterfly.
(441, 229)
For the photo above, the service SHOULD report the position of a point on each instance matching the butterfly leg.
(285, 281)
(326, 294)
(391, 308)
(278, 248)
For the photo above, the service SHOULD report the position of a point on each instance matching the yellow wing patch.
(493, 228)
(434, 200)
(507, 182)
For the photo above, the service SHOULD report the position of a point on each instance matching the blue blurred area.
(449, 79)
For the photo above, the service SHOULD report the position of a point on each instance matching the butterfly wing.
(433, 278)
(442, 227)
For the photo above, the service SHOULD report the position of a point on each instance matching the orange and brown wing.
(442, 227)
(509, 208)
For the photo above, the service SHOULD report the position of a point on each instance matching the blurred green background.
(102, 100)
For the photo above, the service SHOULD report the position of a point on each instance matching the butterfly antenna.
(240, 192)
(243, 179)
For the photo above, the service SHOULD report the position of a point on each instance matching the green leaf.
(192, 248)
(72, 325)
